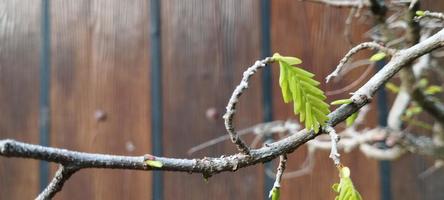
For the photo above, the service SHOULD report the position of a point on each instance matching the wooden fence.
(137, 76)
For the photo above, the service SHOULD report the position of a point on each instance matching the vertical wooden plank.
(314, 33)
(406, 179)
(156, 94)
(20, 40)
(100, 91)
(206, 45)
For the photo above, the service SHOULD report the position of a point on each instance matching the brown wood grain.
(314, 33)
(206, 45)
(100, 91)
(100, 66)
(19, 93)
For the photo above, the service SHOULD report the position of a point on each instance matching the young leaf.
(433, 89)
(345, 188)
(275, 193)
(422, 83)
(351, 119)
(284, 83)
(413, 110)
(392, 87)
(341, 101)
(299, 87)
(335, 187)
(420, 13)
(154, 163)
(289, 60)
(378, 56)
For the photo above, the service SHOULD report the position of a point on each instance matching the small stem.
(334, 154)
(280, 172)
(355, 50)
(342, 3)
(234, 99)
(428, 14)
(56, 185)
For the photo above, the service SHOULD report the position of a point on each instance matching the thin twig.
(306, 167)
(356, 49)
(351, 85)
(60, 177)
(262, 129)
(334, 154)
(234, 99)
(398, 109)
(439, 164)
(413, 3)
(428, 14)
(381, 154)
(348, 27)
(353, 65)
(342, 3)
(280, 172)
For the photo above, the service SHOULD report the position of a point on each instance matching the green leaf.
(345, 188)
(308, 116)
(275, 193)
(423, 83)
(299, 87)
(287, 59)
(341, 101)
(284, 83)
(291, 60)
(420, 13)
(433, 89)
(154, 163)
(392, 87)
(413, 110)
(351, 119)
(335, 187)
(378, 56)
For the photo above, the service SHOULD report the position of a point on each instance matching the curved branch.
(356, 49)
(234, 99)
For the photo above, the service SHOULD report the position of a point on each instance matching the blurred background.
(150, 76)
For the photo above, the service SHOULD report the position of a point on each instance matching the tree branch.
(356, 49)
(234, 99)
(433, 106)
(211, 166)
(334, 154)
(280, 170)
(342, 3)
(430, 104)
(428, 14)
(60, 177)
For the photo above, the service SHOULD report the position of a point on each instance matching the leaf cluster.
(299, 87)
(345, 188)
